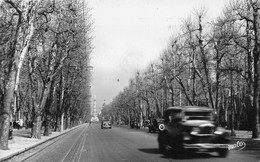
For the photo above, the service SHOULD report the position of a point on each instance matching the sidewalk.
(22, 142)
(245, 135)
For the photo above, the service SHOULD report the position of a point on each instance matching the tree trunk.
(46, 126)
(46, 109)
(36, 129)
(62, 122)
(232, 105)
(217, 87)
(148, 107)
(172, 96)
(129, 117)
(22, 57)
(141, 119)
(57, 122)
(255, 107)
(4, 128)
(62, 82)
(5, 111)
(158, 114)
(68, 122)
(38, 109)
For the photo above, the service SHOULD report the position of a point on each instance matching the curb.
(35, 145)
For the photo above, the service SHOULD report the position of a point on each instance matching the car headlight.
(219, 131)
(195, 130)
(186, 137)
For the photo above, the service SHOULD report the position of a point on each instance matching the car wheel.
(223, 152)
(187, 153)
(161, 148)
(178, 148)
(164, 149)
(164, 146)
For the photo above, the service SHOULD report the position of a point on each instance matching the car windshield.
(173, 116)
(198, 115)
(160, 120)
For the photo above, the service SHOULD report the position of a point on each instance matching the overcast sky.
(130, 34)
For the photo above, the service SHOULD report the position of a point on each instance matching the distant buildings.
(94, 116)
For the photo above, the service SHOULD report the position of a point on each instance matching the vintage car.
(189, 129)
(146, 123)
(154, 124)
(134, 124)
(106, 124)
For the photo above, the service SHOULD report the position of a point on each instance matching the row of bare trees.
(44, 64)
(213, 64)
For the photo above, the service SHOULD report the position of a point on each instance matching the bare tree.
(246, 16)
(20, 16)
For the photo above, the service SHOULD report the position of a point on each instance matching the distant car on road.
(146, 123)
(134, 124)
(154, 124)
(106, 124)
(189, 129)
(17, 125)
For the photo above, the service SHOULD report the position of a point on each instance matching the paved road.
(92, 144)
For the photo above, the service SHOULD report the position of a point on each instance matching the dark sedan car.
(189, 129)
(106, 124)
(154, 124)
(134, 124)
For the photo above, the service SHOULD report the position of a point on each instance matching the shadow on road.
(172, 155)
(150, 150)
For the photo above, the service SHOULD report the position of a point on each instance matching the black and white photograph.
(129, 80)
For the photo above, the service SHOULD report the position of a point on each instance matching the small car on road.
(134, 124)
(154, 124)
(106, 124)
(189, 129)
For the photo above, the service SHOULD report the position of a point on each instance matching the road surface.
(92, 144)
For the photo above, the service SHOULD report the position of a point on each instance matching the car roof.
(190, 108)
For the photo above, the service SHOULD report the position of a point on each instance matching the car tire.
(161, 148)
(164, 149)
(223, 152)
(187, 153)
(178, 148)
